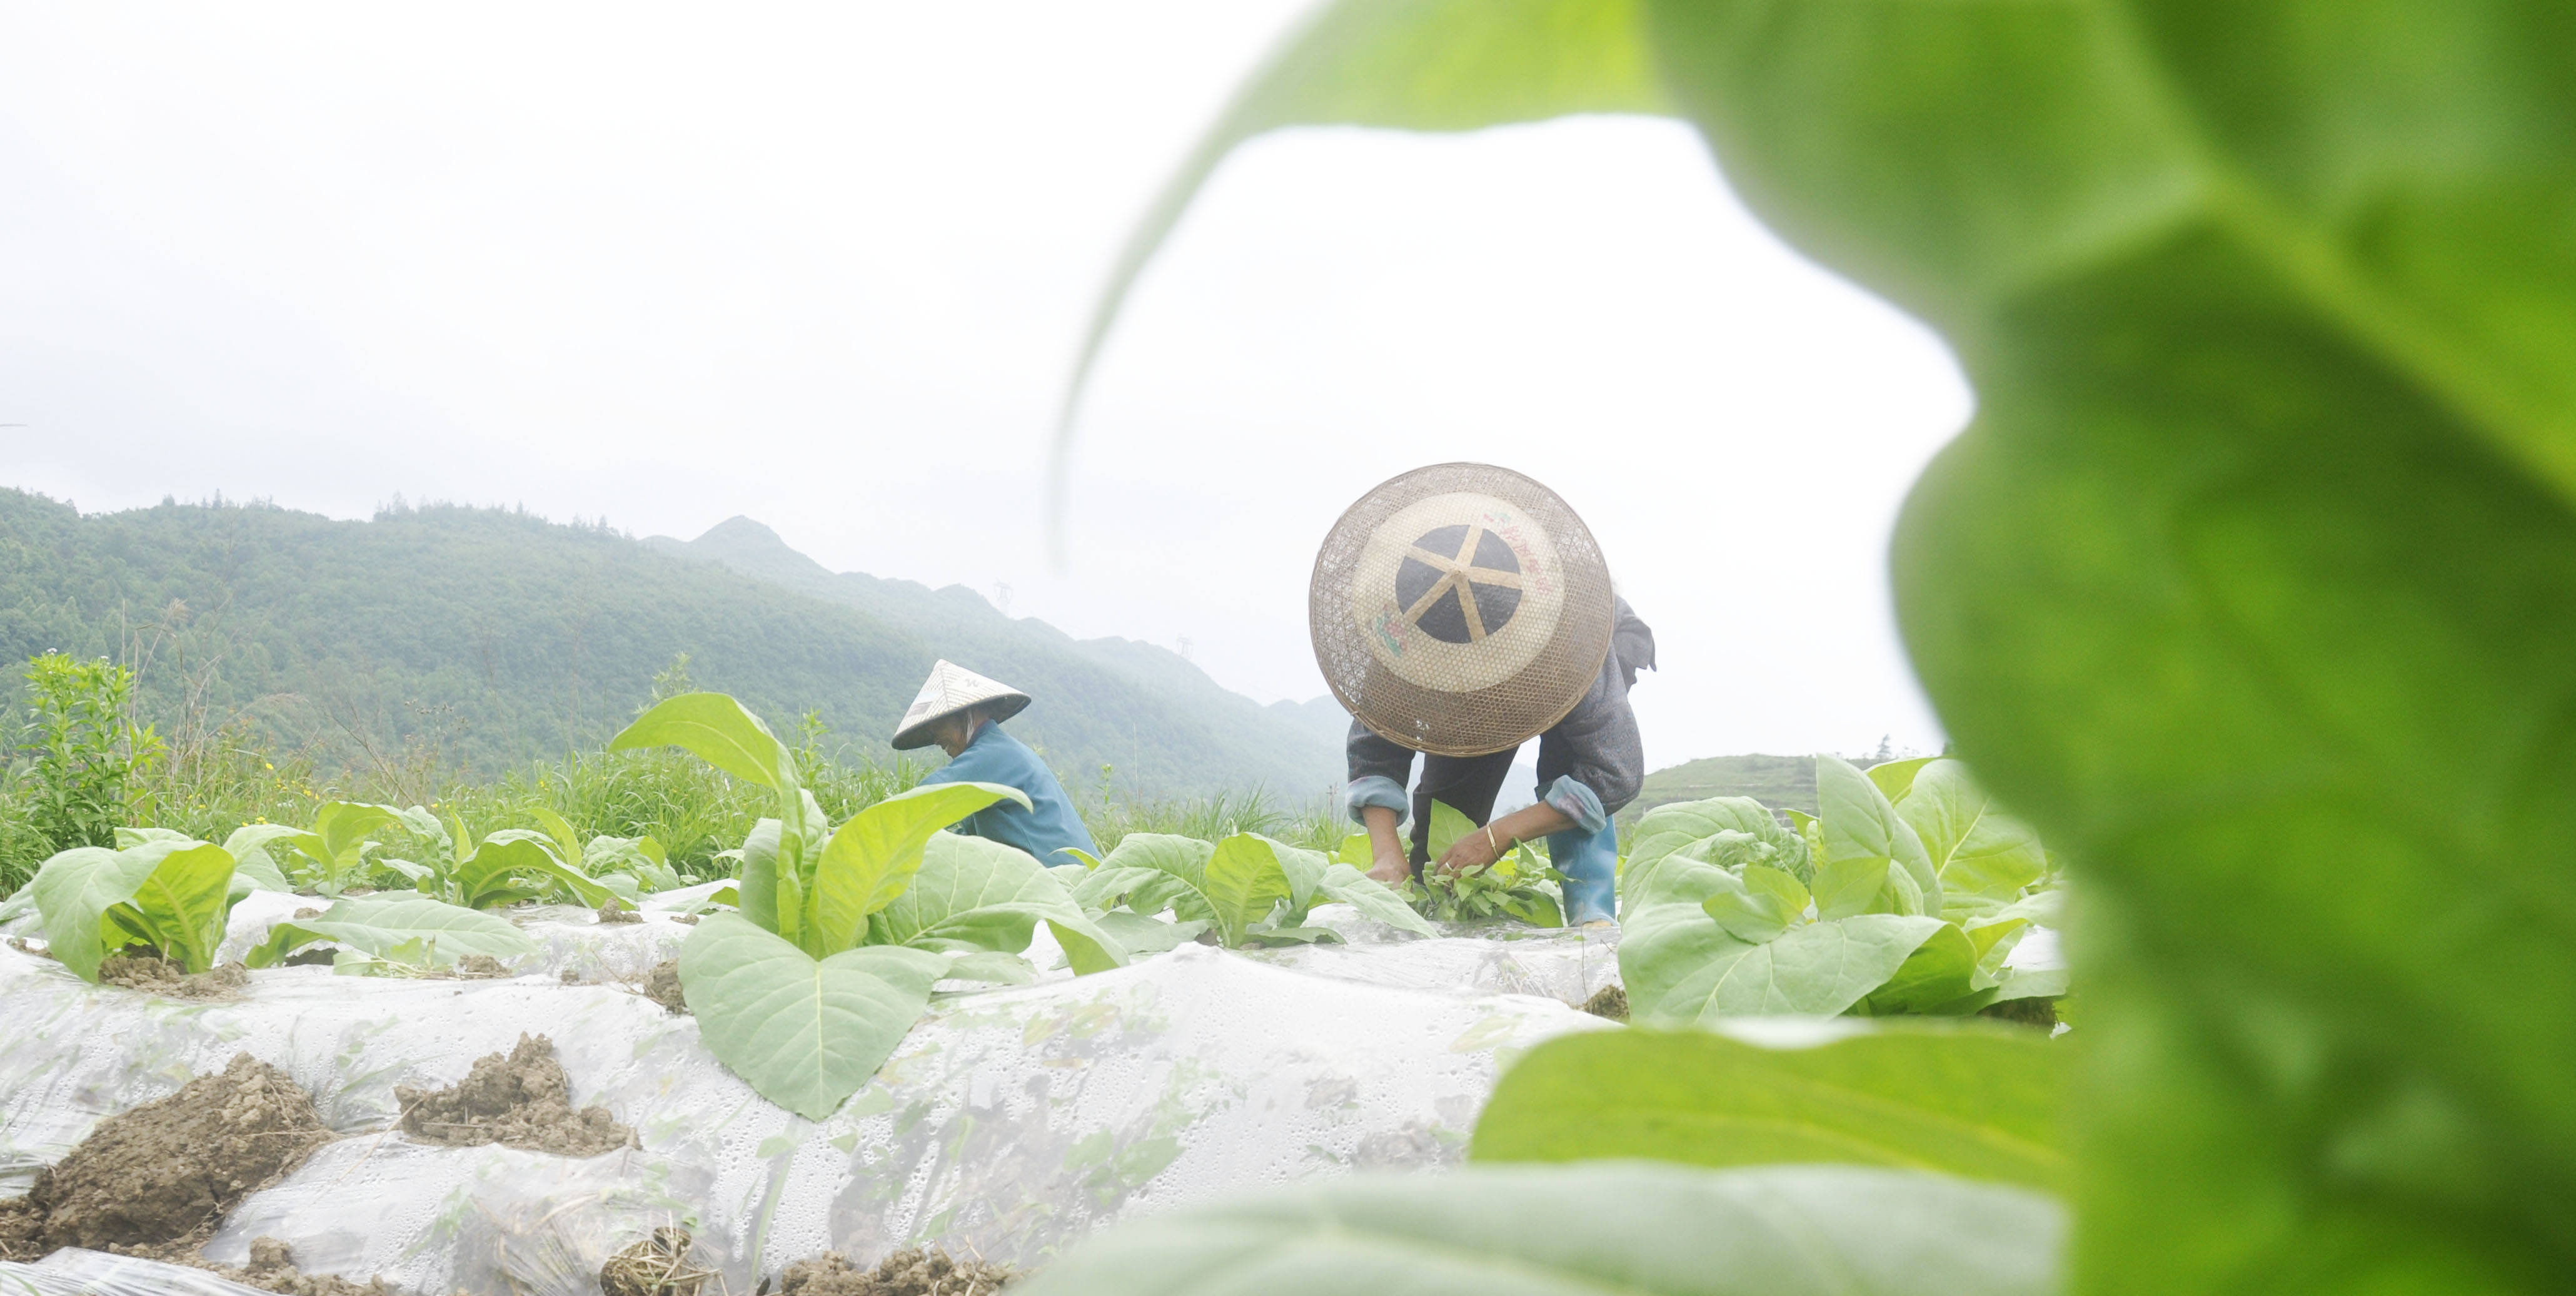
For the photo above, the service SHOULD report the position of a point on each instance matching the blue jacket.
(1045, 829)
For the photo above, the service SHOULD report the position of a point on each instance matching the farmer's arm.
(1590, 766)
(1379, 769)
(1479, 849)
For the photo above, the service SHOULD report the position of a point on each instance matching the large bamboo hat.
(1460, 609)
(950, 689)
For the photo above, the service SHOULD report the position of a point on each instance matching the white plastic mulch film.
(1009, 1123)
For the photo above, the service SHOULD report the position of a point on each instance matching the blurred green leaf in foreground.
(2253, 581)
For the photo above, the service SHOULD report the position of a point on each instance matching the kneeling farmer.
(1458, 611)
(963, 713)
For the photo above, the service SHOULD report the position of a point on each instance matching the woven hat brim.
(1000, 707)
(1438, 700)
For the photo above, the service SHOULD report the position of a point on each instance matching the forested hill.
(499, 636)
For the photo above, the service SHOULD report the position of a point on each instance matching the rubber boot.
(1590, 863)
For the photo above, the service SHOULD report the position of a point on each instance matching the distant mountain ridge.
(497, 636)
(1148, 688)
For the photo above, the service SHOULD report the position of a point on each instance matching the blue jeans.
(1590, 863)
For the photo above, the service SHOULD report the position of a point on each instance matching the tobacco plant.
(1246, 888)
(841, 933)
(1877, 906)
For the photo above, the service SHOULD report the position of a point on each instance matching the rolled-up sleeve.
(1593, 763)
(1576, 802)
(1379, 768)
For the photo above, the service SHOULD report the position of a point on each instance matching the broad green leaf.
(1680, 967)
(1621, 1227)
(1985, 1103)
(1895, 779)
(974, 893)
(249, 846)
(1356, 851)
(759, 877)
(871, 859)
(1448, 824)
(803, 1033)
(1305, 871)
(404, 928)
(566, 838)
(1862, 833)
(181, 905)
(715, 729)
(340, 828)
(641, 856)
(1941, 971)
(19, 901)
(127, 838)
(1088, 860)
(1183, 863)
(1974, 847)
(74, 889)
(1101, 888)
(1244, 882)
(1167, 852)
(1140, 935)
(989, 965)
(2259, 543)
(256, 839)
(1759, 906)
(490, 875)
(1673, 843)
(1348, 885)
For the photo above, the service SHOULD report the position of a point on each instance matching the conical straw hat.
(950, 689)
(1460, 609)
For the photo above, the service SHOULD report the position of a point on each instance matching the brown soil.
(913, 1271)
(1609, 1001)
(521, 1100)
(657, 1266)
(481, 967)
(154, 974)
(155, 1180)
(662, 986)
(610, 911)
(2041, 1013)
(272, 1268)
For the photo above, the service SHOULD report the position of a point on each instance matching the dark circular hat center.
(1460, 584)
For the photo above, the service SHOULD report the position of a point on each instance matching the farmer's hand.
(1476, 850)
(1391, 868)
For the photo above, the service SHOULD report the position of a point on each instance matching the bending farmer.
(963, 712)
(1590, 765)
(1458, 611)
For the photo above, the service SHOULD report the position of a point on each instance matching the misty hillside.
(496, 636)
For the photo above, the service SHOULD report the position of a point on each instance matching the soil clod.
(481, 967)
(272, 1268)
(913, 1271)
(522, 1100)
(154, 974)
(662, 986)
(610, 911)
(1609, 1001)
(154, 1181)
(657, 1266)
(2041, 1013)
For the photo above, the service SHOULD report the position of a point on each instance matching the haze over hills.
(497, 636)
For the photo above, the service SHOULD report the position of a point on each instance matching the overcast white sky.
(828, 266)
